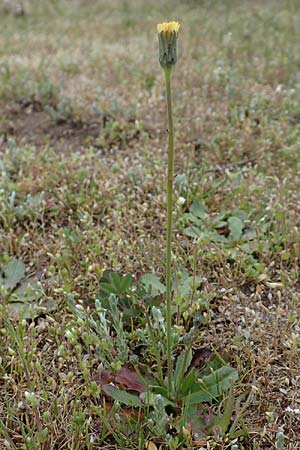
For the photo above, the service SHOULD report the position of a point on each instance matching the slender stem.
(169, 230)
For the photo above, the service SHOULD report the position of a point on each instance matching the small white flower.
(295, 411)
(21, 405)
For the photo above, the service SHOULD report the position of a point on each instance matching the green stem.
(169, 230)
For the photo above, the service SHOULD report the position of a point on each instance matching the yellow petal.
(168, 27)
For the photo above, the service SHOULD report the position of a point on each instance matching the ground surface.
(83, 152)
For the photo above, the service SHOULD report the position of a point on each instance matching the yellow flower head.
(168, 27)
(167, 36)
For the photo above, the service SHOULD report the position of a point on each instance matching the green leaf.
(213, 386)
(220, 217)
(181, 182)
(153, 283)
(216, 237)
(183, 362)
(188, 382)
(192, 232)
(224, 421)
(42, 435)
(280, 440)
(215, 363)
(186, 286)
(240, 214)
(121, 396)
(13, 273)
(190, 218)
(114, 283)
(221, 224)
(163, 391)
(198, 210)
(125, 282)
(236, 227)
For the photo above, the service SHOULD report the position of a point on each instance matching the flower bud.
(167, 36)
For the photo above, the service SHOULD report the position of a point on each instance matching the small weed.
(61, 112)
